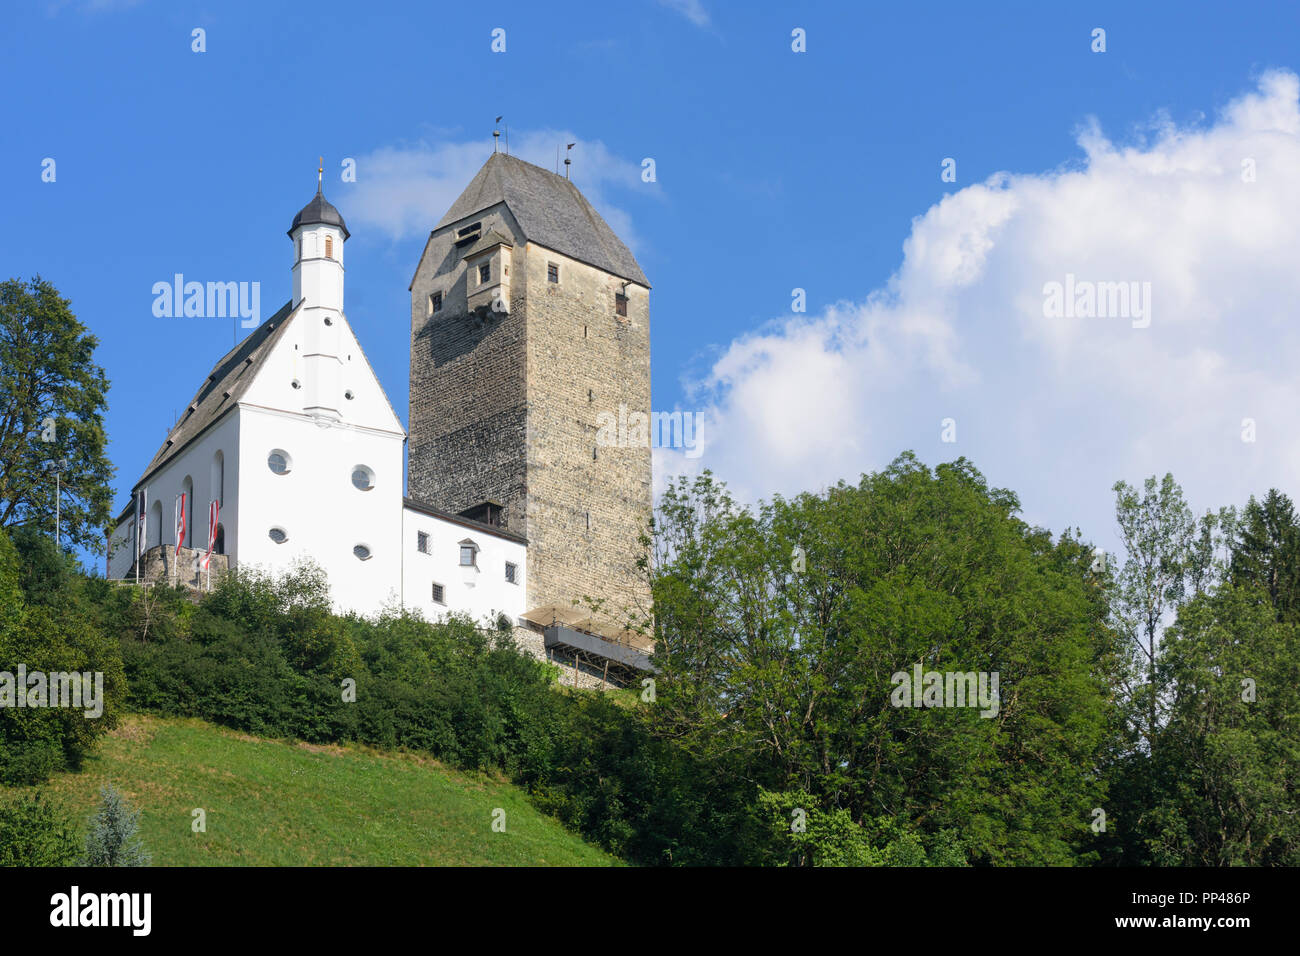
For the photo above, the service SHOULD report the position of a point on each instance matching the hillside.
(278, 803)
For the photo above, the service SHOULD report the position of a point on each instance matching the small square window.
(422, 542)
(467, 553)
(485, 272)
(620, 303)
(435, 301)
(511, 570)
(438, 594)
(552, 272)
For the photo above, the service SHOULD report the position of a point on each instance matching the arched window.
(187, 489)
(329, 247)
(217, 478)
(155, 527)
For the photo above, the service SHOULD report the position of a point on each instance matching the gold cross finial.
(320, 174)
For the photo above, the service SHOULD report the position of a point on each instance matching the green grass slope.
(280, 803)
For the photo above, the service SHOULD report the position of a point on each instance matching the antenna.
(567, 161)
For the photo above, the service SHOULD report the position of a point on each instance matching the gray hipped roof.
(550, 211)
(222, 389)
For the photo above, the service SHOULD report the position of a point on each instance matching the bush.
(36, 832)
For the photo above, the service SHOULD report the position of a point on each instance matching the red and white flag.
(214, 511)
(180, 523)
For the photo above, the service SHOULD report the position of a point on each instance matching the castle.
(529, 318)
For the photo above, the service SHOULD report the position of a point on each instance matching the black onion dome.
(319, 210)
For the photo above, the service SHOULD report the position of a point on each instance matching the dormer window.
(484, 272)
(329, 247)
(469, 233)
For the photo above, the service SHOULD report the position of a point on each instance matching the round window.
(363, 479)
(348, 395)
(361, 552)
(278, 535)
(279, 462)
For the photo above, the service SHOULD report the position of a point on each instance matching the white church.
(294, 439)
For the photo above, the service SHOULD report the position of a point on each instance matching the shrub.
(36, 832)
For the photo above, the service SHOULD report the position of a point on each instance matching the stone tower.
(529, 319)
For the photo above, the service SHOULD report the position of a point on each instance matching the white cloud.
(692, 10)
(404, 190)
(1057, 409)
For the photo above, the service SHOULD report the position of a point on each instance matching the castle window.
(620, 304)
(511, 571)
(363, 479)
(422, 542)
(435, 302)
(329, 247)
(485, 272)
(552, 272)
(361, 552)
(328, 320)
(278, 535)
(468, 554)
(438, 594)
(279, 462)
(348, 395)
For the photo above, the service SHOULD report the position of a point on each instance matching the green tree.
(1227, 761)
(52, 400)
(1267, 552)
(114, 838)
(49, 623)
(779, 630)
(1170, 556)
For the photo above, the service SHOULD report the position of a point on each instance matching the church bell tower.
(318, 233)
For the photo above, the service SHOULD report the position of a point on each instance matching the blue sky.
(775, 170)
